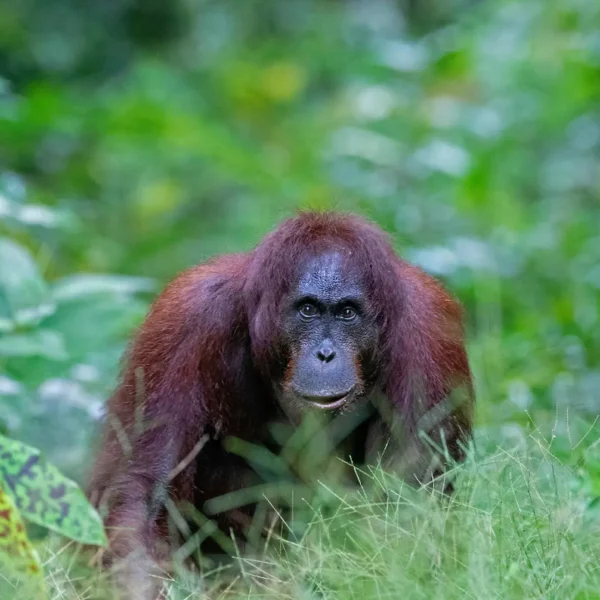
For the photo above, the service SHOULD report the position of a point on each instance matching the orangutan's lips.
(328, 402)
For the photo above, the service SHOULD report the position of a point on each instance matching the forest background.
(139, 137)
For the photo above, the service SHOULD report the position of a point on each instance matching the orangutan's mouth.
(328, 402)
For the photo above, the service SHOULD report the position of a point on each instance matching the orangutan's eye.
(347, 314)
(309, 311)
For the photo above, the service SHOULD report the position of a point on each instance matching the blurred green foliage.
(137, 138)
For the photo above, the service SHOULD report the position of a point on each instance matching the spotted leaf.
(46, 497)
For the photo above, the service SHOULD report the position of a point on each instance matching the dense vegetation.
(137, 138)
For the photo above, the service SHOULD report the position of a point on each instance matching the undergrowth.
(516, 527)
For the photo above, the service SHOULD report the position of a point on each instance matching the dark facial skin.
(329, 333)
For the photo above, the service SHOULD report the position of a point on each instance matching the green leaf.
(24, 295)
(43, 342)
(46, 497)
(17, 555)
(83, 286)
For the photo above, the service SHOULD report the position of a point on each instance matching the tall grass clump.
(513, 530)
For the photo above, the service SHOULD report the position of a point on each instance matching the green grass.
(518, 527)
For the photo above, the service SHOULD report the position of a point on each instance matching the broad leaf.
(83, 286)
(41, 342)
(46, 497)
(24, 296)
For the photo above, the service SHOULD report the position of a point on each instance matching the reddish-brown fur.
(204, 359)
